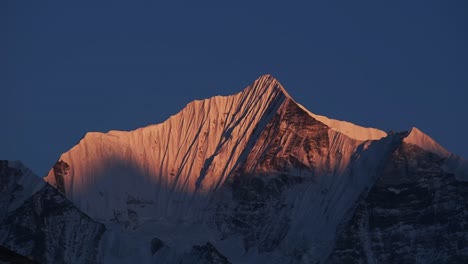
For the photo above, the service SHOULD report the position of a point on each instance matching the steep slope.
(41, 224)
(451, 162)
(248, 178)
(254, 177)
(17, 183)
(298, 172)
(249, 165)
(169, 168)
(349, 129)
(416, 212)
(420, 139)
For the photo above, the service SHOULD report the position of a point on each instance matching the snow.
(158, 181)
(393, 190)
(174, 165)
(349, 129)
(167, 173)
(420, 139)
(320, 206)
(28, 182)
(458, 166)
(452, 163)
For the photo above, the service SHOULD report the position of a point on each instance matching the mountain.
(256, 177)
(40, 223)
(416, 212)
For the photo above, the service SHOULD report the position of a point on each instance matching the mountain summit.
(256, 178)
(192, 153)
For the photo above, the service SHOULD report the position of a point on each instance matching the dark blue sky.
(68, 68)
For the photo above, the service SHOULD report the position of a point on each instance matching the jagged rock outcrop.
(17, 183)
(260, 177)
(156, 245)
(416, 212)
(204, 254)
(297, 163)
(45, 227)
(173, 165)
(199, 164)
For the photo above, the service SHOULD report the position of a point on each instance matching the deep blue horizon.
(70, 68)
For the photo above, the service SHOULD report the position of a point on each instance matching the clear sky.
(68, 67)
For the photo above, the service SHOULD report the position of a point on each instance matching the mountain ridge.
(256, 177)
(192, 153)
(233, 120)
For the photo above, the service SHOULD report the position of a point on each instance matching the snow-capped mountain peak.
(192, 152)
(249, 178)
(174, 165)
(422, 140)
(267, 83)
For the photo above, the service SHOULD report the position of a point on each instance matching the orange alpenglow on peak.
(420, 139)
(257, 152)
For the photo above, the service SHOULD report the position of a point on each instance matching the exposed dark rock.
(157, 244)
(50, 229)
(291, 140)
(17, 183)
(8, 256)
(259, 212)
(262, 171)
(61, 169)
(133, 201)
(128, 218)
(206, 254)
(415, 213)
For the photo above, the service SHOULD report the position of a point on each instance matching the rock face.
(156, 245)
(7, 256)
(415, 213)
(171, 167)
(46, 227)
(183, 160)
(261, 178)
(17, 183)
(205, 254)
(297, 163)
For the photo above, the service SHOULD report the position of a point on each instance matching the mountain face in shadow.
(416, 212)
(248, 178)
(45, 227)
